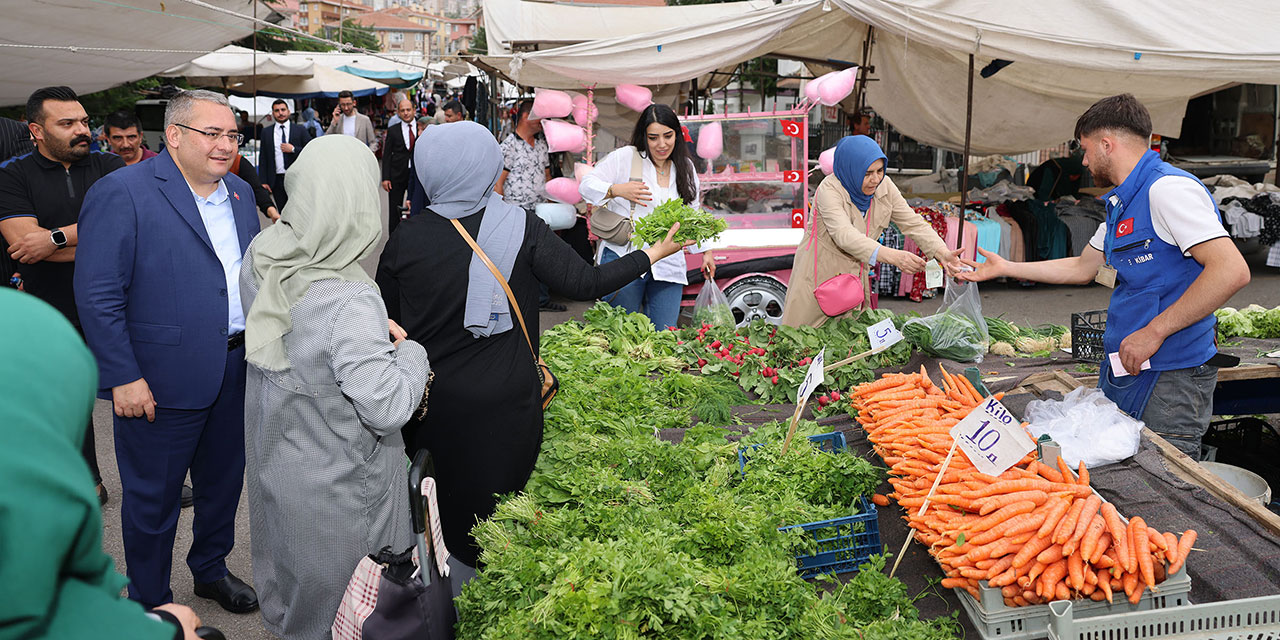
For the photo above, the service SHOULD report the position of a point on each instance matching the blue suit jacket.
(151, 292)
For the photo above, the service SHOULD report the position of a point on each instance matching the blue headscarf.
(854, 155)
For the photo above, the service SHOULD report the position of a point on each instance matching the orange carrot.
(954, 583)
(1055, 514)
(1083, 475)
(1184, 548)
(1157, 539)
(1118, 533)
(1030, 550)
(880, 500)
(1024, 523)
(1075, 571)
(1131, 534)
(1002, 514)
(1089, 543)
(1171, 548)
(1048, 473)
(998, 567)
(1082, 524)
(995, 502)
(1065, 470)
(1136, 596)
(1068, 524)
(1105, 586)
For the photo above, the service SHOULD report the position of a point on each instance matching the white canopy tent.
(91, 45)
(1065, 56)
(232, 65)
(324, 83)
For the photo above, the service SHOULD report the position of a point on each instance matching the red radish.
(775, 379)
(701, 363)
(735, 374)
(822, 401)
(835, 396)
(715, 345)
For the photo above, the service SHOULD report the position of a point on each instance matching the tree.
(761, 73)
(356, 35)
(479, 43)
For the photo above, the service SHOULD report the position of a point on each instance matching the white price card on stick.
(992, 438)
(812, 377)
(883, 334)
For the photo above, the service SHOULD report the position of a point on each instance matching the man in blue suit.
(157, 287)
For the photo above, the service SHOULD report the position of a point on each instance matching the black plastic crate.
(1086, 335)
(1247, 442)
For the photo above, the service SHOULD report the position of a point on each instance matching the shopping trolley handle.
(209, 633)
(422, 467)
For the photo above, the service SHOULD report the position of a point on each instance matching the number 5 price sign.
(812, 378)
(991, 438)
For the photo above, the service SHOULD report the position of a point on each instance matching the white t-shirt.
(1182, 214)
(349, 125)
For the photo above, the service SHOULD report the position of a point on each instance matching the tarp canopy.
(1066, 55)
(91, 45)
(326, 83)
(395, 78)
(234, 65)
(400, 70)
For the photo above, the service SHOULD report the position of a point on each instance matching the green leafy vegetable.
(695, 224)
(946, 335)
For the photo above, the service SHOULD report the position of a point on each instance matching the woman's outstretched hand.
(667, 246)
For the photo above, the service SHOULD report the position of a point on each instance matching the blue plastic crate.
(829, 442)
(842, 543)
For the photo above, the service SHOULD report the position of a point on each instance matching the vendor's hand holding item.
(1138, 347)
(1090, 428)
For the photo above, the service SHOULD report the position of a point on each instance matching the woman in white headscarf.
(328, 391)
(484, 423)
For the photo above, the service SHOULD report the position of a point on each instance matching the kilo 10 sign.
(992, 438)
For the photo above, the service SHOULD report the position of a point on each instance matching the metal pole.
(968, 131)
(862, 71)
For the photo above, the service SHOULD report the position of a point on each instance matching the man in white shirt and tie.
(396, 162)
(279, 146)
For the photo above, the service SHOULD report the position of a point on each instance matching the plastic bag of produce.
(958, 331)
(1088, 426)
(712, 307)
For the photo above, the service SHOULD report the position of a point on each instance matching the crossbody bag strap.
(515, 308)
(637, 173)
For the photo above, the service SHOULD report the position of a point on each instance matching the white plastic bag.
(958, 331)
(712, 307)
(1089, 427)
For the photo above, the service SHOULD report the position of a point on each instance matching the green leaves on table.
(695, 224)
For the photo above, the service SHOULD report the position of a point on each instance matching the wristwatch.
(59, 238)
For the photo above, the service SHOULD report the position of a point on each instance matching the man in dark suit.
(279, 146)
(157, 285)
(396, 158)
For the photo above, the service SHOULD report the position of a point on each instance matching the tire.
(757, 297)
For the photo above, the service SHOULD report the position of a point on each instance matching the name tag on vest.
(1106, 276)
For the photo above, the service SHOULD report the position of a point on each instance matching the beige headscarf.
(333, 221)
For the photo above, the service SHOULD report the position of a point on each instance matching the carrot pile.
(1036, 532)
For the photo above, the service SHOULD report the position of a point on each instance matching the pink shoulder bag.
(841, 293)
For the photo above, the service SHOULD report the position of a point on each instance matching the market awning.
(91, 45)
(233, 65)
(399, 79)
(1066, 55)
(326, 83)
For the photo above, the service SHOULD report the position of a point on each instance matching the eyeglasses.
(213, 136)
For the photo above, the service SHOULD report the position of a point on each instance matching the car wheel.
(757, 297)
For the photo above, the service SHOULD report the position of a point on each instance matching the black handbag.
(388, 597)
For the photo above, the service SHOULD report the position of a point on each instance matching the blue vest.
(1151, 273)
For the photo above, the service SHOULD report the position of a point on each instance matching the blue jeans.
(658, 300)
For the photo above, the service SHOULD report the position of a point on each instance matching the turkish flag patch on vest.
(1124, 228)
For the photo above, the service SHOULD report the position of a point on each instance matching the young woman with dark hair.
(667, 173)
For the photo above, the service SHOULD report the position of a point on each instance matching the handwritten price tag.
(792, 128)
(883, 334)
(992, 438)
(812, 377)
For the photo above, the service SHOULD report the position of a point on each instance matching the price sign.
(883, 334)
(792, 128)
(992, 438)
(932, 274)
(797, 218)
(792, 176)
(812, 377)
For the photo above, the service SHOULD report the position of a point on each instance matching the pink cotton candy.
(633, 97)
(549, 103)
(710, 141)
(837, 87)
(814, 86)
(562, 136)
(584, 111)
(827, 160)
(580, 170)
(564, 190)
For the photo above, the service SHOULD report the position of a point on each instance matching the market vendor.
(851, 208)
(1164, 250)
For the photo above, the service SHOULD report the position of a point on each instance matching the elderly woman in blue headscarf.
(483, 424)
(851, 208)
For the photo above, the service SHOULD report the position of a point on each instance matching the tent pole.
(862, 71)
(968, 131)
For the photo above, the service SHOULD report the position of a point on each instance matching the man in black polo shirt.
(40, 197)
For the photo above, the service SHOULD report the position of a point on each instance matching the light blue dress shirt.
(220, 223)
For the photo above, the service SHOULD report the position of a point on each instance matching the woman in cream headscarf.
(327, 393)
